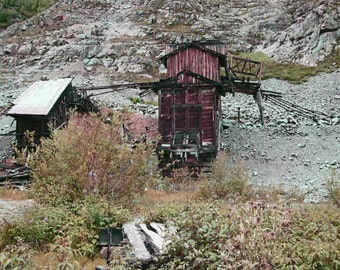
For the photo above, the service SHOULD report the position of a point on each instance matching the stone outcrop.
(103, 41)
(312, 35)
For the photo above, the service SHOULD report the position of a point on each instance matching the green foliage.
(254, 236)
(311, 241)
(228, 180)
(89, 156)
(5, 17)
(136, 100)
(293, 72)
(180, 179)
(163, 212)
(333, 188)
(17, 256)
(21, 9)
(61, 255)
(78, 224)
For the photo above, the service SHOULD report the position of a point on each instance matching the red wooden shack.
(190, 101)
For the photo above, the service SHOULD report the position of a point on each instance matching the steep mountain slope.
(98, 41)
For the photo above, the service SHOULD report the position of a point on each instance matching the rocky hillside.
(101, 41)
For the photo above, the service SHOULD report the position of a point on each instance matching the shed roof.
(39, 98)
(197, 45)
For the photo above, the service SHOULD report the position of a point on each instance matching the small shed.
(44, 104)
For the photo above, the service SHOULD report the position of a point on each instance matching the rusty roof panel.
(39, 98)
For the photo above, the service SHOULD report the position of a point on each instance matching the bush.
(179, 179)
(5, 17)
(254, 235)
(78, 225)
(18, 256)
(333, 188)
(89, 156)
(228, 180)
(21, 9)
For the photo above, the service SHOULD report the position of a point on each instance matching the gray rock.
(11, 49)
(137, 240)
(147, 242)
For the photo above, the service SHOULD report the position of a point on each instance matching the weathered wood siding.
(195, 60)
(192, 109)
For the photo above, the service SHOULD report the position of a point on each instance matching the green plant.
(21, 10)
(17, 256)
(275, 193)
(61, 256)
(89, 156)
(311, 241)
(163, 212)
(253, 235)
(228, 180)
(293, 72)
(212, 237)
(39, 227)
(136, 100)
(79, 224)
(333, 188)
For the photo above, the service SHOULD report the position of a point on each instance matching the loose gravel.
(290, 152)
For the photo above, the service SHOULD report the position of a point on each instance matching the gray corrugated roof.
(39, 98)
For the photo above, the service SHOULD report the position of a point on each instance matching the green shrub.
(333, 188)
(78, 224)
(163, 212)
(228, 179)
(17, 256)
(61, 255)
(89, 156)
(136, 100)
(5, 17)
(21, 10)
(254, 235)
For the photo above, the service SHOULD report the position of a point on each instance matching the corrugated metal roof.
(39, 98)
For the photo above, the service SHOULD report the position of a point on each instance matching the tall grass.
(293, 72)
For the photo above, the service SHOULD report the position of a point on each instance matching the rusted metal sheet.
(39, 98)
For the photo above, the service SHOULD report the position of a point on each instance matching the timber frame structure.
(198, 74)
(189, 99)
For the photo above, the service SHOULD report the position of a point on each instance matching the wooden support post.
(258, 98)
